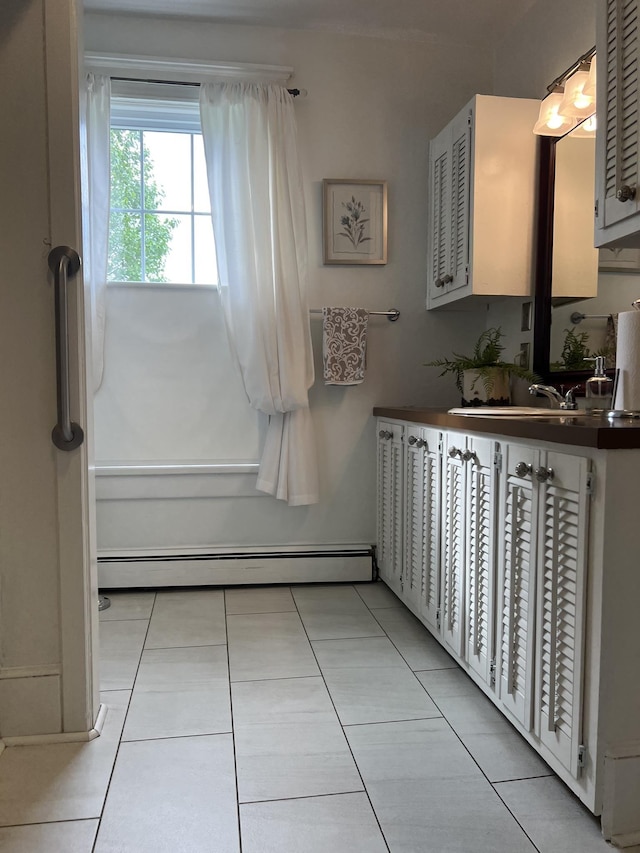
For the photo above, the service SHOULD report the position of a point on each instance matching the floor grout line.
(233, 728)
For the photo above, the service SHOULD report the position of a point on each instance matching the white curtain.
(257, 207)
(96, 224)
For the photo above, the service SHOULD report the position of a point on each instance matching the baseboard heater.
(236, 567)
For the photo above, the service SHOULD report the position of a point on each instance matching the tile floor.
(312, 719)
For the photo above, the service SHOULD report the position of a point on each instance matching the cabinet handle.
(523, 468)
(468, 455)
(439, 282)
(544, 474)
(453, 452)
(447, 279)
(626, 193)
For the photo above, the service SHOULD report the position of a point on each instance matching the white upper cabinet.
(482, 170)
(618, 136)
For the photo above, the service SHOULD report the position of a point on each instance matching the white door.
(48, 607)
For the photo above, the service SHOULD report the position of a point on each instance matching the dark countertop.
(580, 431)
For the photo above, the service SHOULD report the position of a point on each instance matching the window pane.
(201, 202)
(125, 247)
(167, 173)
(205, 251)
(168, 248)
(125, 169)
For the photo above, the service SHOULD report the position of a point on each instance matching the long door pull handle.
(64, 263)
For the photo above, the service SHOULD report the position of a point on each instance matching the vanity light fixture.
(571, 98)
(551, 122)
(576, 102)
(585, 130)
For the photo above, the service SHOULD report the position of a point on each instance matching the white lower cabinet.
(543, 529)
(486, 542)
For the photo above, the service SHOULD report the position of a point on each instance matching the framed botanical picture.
(354, 221)
(619, 260)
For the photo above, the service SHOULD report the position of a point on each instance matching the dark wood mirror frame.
(544, 265)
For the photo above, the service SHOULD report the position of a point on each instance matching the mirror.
(579, 289)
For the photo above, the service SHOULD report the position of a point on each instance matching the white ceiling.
(456, 21)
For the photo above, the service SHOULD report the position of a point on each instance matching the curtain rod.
(293, 92)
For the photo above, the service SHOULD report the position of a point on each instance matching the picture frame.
(354, 221)
(619, 260)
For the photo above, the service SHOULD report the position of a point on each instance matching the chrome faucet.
(563, 402)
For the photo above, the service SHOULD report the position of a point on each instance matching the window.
(160, 224)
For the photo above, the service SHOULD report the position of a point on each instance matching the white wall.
(372, 107)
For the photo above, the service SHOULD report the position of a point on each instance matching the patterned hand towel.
(344, 345)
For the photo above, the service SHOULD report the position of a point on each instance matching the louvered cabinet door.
(390, 503)
(439, 213)
(618, 137)
(480, 575)
(458, 265)
(454, 508)
(562, 556)
(516, 599)
(422, 529)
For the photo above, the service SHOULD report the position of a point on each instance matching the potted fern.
(482, 378)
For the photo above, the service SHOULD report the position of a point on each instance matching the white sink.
(518, 411)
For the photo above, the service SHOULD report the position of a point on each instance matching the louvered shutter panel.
(422, 529)
(440, 203)
(460, 199)
(481, 515)
(390, 503)
(621, 132)
(517, 580)
(453, 546)
(560, 622)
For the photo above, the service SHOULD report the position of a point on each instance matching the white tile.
(76, 836)
(120, 649)
(272, 599)
(413, 641)
(369, 682)
(190, 618)
(334, 612)
(377, 595)
(342, 823)
(428, 794)
(172, 795)
(289, 742)
(178, 692)
(554, 819)
(63, 781)
(268, 645)
(499, 749)
(128, 605)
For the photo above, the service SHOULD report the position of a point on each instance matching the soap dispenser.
(598, 388)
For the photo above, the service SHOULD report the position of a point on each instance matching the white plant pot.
(480, 389)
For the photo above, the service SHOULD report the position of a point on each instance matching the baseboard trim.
(60, 737)
(301, 564)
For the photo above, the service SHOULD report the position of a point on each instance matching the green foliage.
(485, 358)
(125, 227)
(575, 351)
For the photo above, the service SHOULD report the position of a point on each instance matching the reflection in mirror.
(580, 290)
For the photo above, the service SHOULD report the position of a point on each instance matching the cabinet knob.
(384, 433)
(439, 282)
(468, 455)
(412, 439)
(626, 193)
(523, 468)
(453, 452)
(421, 443)
(544, 474)
(447, 279)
